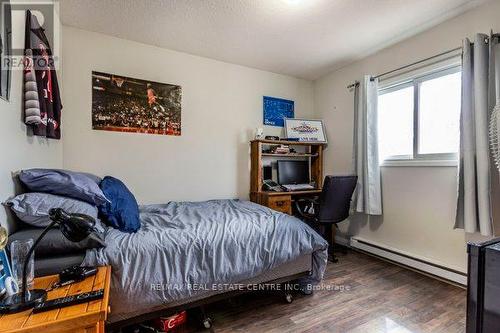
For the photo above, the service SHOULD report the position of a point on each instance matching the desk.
(80, 318)
(281, 201)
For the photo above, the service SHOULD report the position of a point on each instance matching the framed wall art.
(276, 110)
(125, 104)
(5, 48)
(306, 130)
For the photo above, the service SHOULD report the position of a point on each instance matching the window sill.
(419, 163)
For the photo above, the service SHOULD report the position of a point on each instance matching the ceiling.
(302, 38)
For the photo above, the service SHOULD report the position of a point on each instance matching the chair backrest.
(335, 199)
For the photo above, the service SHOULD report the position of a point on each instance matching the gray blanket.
(183, 247)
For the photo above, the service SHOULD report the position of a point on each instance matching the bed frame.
(286, 273)
(116, 326)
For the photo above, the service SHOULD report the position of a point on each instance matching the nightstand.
(80, 318)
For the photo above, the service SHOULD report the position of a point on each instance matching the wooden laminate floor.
(377, 297)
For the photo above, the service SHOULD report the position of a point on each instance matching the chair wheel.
(306, 290)
(288, 298)
(333, 259)
(207, 323)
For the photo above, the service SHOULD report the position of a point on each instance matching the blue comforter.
(182, 247)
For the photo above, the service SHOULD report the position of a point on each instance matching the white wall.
(19, 150)
(222, 104)
(221, 107)
(418, 203)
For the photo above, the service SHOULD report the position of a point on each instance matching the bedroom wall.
(419, 202)
(221, 107)
(18, 149)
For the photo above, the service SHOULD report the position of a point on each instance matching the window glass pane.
(439, 117)
(395, 123)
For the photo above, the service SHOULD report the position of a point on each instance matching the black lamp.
(75, 227)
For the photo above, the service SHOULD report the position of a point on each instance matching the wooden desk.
(81, 318)
(281, 201)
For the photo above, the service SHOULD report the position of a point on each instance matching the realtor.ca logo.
(38, 32)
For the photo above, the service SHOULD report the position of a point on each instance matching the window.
(419, 119)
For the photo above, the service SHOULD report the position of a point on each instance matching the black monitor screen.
(293, 172)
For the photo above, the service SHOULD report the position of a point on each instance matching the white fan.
(495, 134)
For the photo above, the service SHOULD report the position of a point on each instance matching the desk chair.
(333, 206)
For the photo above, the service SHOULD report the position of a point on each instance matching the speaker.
(267, 172)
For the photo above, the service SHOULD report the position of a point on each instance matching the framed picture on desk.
(305, 130)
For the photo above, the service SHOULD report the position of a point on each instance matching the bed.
(190, 251)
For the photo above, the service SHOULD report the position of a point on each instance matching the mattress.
(184, 249)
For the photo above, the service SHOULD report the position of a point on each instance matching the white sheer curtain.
(368, 196)
(474, 205)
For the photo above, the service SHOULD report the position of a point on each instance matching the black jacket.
(46, 80)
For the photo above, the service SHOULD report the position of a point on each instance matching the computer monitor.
(293, 172)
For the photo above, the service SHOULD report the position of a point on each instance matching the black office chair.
(332, 208)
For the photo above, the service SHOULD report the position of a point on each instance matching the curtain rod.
(406, 66)
(497, 35)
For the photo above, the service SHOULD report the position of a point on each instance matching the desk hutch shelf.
(281, 201)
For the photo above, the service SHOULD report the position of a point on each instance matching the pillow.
(95, 179)
(122, 212)
(75, 185)
(54, 242)
(33, 208)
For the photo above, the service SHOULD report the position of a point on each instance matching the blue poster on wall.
(276, 110)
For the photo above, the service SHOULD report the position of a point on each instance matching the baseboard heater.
(414, 263)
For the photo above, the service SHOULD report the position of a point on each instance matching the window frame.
(415, 82)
